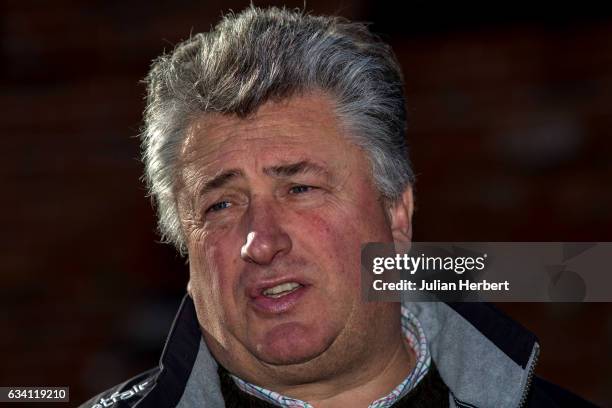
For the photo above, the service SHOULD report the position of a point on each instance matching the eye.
(221, 205)
(300, 189)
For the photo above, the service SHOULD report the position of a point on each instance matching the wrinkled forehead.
(304, 128)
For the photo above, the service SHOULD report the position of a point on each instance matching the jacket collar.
(484, 357)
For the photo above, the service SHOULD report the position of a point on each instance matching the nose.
(265, 239)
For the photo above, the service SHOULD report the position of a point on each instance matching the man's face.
(275, 208)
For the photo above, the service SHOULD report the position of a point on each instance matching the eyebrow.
(289, 170)
(220, 180)
(283, 171)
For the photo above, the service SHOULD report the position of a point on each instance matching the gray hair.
(272, 54)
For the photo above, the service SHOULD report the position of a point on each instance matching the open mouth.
(274, 298)
(281, 290)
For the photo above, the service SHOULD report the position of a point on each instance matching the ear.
(400, 213)
(189, 289)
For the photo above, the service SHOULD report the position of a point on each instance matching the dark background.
(509, 126)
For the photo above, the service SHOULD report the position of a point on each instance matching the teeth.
(281, 290)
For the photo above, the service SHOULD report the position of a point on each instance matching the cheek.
(213, 273)
(212, 281)
(337, 234)
(335, 244)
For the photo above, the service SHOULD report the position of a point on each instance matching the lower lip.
(278, 305)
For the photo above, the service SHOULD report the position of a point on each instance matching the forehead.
(300, 126)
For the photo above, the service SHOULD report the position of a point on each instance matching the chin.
(290, 344)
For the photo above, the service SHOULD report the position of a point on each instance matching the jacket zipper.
(530, 376)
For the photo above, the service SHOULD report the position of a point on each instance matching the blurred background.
(510, 124)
